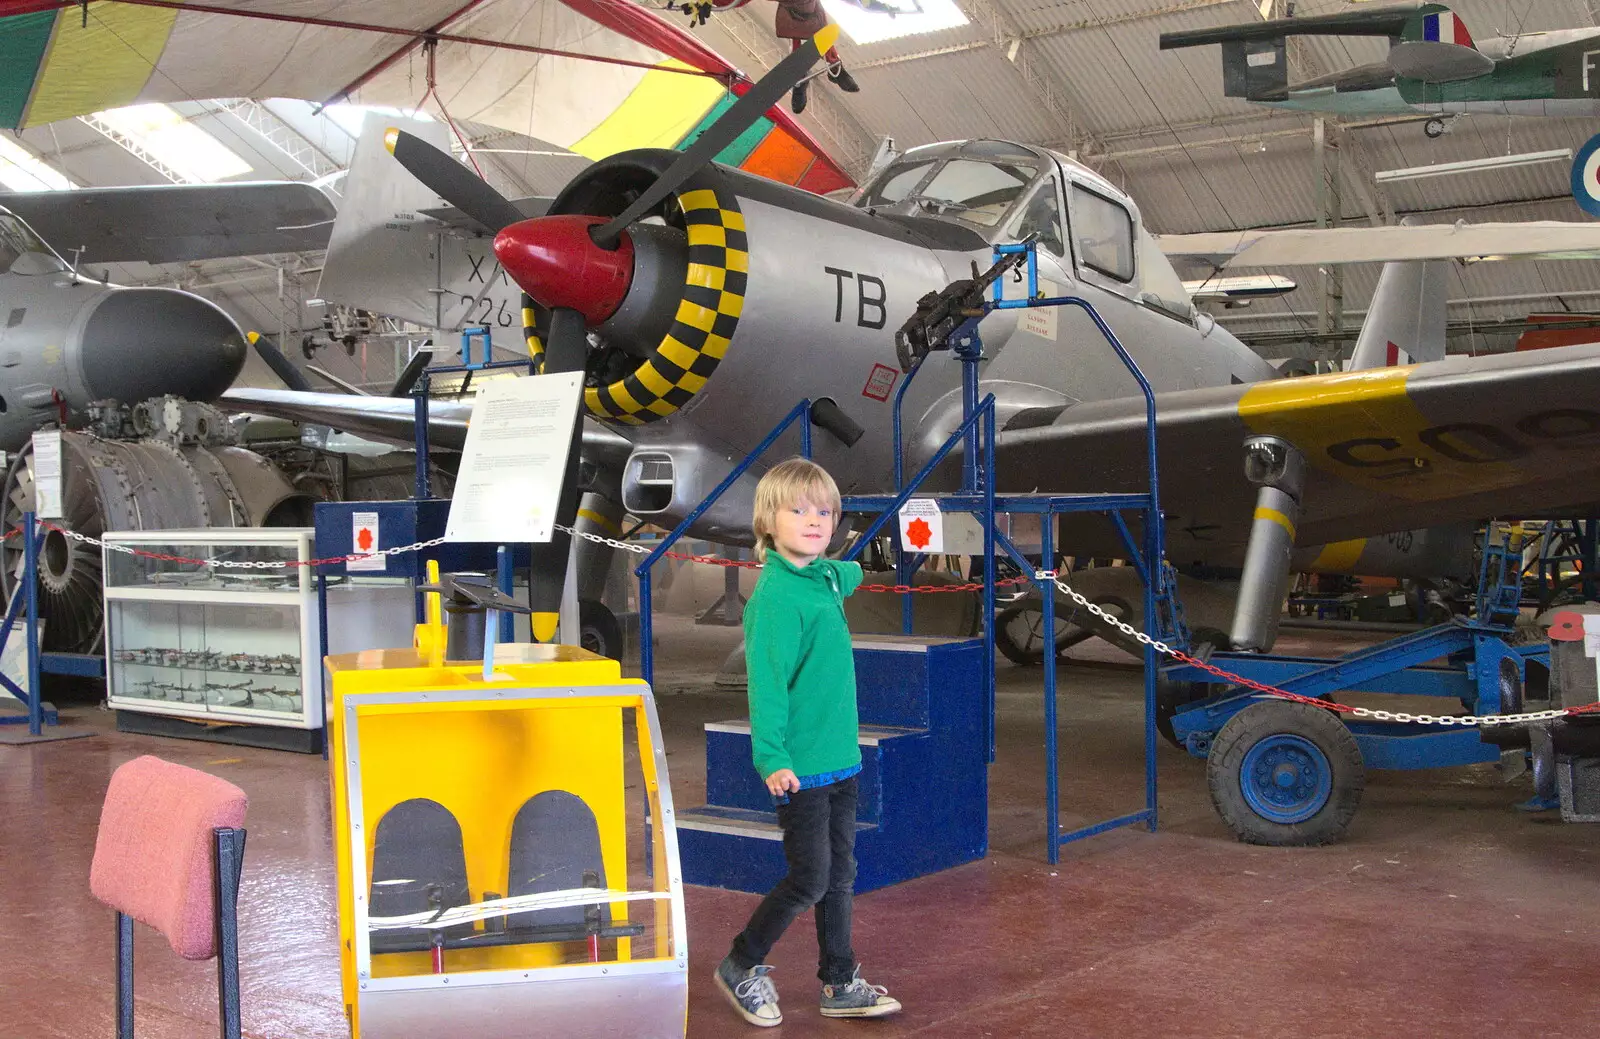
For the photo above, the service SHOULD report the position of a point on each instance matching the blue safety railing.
(978, 495)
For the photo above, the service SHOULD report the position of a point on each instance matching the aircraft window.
(1103, 232)
(896, 183)
(977, 192)
(1043, 214)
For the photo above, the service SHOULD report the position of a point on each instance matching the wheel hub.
(1286, 778)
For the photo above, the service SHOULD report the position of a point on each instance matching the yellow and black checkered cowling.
(708, 314)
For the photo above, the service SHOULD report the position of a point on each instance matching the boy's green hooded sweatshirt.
(802, 673)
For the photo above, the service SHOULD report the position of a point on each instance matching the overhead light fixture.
(1491, 162)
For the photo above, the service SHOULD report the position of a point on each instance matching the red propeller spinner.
(556, 262)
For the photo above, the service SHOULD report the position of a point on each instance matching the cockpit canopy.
(1008, 191)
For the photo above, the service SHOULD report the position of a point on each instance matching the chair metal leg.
(124, 976)
(230, 864)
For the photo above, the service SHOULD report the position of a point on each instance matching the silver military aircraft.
(70, 337)
(703, 302)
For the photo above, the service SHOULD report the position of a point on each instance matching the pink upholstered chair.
(169, 853)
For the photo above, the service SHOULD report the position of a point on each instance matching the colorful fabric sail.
(594, 76)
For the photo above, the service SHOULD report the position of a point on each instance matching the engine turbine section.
(177, 479)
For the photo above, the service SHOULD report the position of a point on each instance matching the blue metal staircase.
(924, 775)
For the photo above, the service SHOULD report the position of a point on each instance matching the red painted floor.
(1444, 911)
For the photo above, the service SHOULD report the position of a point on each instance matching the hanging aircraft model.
(1434, 66)
(702, 302)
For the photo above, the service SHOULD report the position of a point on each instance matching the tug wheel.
(598, 630)
(1285, 774)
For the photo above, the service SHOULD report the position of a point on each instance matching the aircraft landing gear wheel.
(598, 630)
(1285, 774)
(1435, 128)
(1019, 629)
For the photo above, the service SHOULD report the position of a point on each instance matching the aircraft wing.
(394, 418)
(1389, 21)
(1457, 440)
(1536, 240)
(171, 223)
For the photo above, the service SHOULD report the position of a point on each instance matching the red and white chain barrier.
(1463, 720)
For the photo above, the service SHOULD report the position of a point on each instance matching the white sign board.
(514, 459)
(922, 526)
(364, 538)
(47, 474)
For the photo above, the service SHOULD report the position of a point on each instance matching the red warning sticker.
(879, 382)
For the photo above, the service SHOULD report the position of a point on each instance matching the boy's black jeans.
(819, 842)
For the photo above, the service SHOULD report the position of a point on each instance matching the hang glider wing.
(1457, 440)
(393, 419)
(1537, 240)
(592, 76)
(172, 223)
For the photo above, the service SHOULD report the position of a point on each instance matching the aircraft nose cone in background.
(559, 264)
(141, 343)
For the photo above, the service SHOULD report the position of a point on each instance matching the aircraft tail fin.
(1256, 70)
(381, 248)
(1406, 321)
(1435, 47)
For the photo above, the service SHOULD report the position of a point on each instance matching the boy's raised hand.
(782, 782)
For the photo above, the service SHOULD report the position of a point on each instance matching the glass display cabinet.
(212, 643)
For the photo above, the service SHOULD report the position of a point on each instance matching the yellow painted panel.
(102, 65)
(707, 234)
(702, 198)
(706, 276)
(657, 114)
(1339, 557)
(677, 353)
(652, 379)
(696, 316)
(1364, 428)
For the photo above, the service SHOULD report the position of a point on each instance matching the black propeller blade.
(411, 373)
(452, 181)
(768, 91)
(565, 349)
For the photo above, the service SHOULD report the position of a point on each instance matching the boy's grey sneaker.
(858, 999)
(751, 992)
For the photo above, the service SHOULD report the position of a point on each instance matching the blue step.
(731, 778)
(924, 780)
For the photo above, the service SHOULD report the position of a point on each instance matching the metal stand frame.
(26, 604)
(228, 846)
(977, 495)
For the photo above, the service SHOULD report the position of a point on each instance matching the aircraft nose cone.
(141, 343)
(559, 265)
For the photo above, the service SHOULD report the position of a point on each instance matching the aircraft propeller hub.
(558, 263)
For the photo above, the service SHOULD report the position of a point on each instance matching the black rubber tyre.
(1170, 696)
(1286, 774)
(1018, 629)
(599, 632)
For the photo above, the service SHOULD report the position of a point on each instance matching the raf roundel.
(1586, 177)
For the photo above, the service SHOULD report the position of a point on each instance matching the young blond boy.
(803, 729)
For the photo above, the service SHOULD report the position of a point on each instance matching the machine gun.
(939, 314)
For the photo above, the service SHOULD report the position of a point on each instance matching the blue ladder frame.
(978, 496)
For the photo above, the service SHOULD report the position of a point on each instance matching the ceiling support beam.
(1047, 89)
(1059, 29)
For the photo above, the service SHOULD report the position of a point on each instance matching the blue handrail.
(642, 571)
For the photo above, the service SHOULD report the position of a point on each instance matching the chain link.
(1464, 720)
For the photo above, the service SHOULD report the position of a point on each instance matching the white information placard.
(922, 526)
(364, 538)
(47, 474)
(514, 459)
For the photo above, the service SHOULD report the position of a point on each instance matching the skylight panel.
(21, 170)
(175, 142)
(350, 117)
(922, 16)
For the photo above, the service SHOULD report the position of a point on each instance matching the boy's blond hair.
(789, 482)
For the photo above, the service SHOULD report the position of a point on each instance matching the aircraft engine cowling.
(682, 276)
(132, 485)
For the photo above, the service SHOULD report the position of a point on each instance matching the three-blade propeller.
(566, 344)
